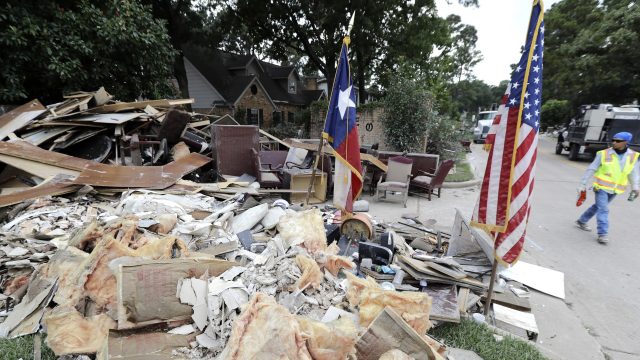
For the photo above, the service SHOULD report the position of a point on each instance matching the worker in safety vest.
(611, 170)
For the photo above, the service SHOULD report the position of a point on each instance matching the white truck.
(594, 127)
(483, 124)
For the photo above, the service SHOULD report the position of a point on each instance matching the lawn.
(463, 172)
(22, 348)
(479, 338)
(467, 335)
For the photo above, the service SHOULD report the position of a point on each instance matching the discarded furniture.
(297, 181)
(397, 177)
(273, 160)
(232, 146)
(266, 176)
(421, 161)
(432, 181)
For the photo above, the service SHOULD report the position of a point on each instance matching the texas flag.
(341, 132)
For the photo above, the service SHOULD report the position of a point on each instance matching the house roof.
(216, 66)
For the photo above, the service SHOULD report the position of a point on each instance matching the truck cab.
(594, 127)
(483, 124)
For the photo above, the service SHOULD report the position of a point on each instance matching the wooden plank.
(446, 270)
(329, 150)
(19, 117)
(520, 319)
(150, 177)
(26, 151)
(424, 273)
(112, 119)
(444, 304)
(57, 185)
(509, 299)
(122, 106)
(36, 168)
(463, 296)
(389, 331)
(275, 138)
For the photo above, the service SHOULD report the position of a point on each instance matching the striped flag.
(341, 131)
(504, 203)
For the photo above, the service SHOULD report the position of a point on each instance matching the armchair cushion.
(269, 177)
(392, 185)
(422, 179)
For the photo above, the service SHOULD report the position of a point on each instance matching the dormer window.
(292, 87)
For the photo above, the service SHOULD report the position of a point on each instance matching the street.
(601, 281)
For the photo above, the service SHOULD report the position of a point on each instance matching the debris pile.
(124, 250)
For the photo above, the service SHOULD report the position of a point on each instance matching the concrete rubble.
(172, 260)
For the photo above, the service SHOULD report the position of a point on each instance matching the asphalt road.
(600, 317)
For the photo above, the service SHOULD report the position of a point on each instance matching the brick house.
(251, 90)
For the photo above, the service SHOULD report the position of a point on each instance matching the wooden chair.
(397, 177)
(431, 181)
(267, 177)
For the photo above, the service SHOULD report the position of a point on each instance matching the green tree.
(51, 47)
(590, 56)
(555, 112)
(409, 116)
(385, 33)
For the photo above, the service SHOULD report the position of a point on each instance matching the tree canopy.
(590, 51)
(50, 47)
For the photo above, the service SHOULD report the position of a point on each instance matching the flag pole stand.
(487, 304)
(313, 172)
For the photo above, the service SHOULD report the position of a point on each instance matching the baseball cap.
(624, 136)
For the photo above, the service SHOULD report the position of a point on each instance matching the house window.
(292, 87)
(254, 117)
(277, 118)
(254, 89)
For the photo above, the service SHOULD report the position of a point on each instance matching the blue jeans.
(601, 210)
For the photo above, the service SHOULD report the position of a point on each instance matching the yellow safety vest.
(609, 176)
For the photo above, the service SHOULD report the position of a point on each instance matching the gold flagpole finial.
(347, 38)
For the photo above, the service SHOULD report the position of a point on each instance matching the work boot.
(603, 239)
(582, 226)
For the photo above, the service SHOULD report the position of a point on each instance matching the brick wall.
(257, 101)
(370, 128)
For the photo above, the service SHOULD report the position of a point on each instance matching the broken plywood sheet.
(389, 331)
(122, 106)
(40, 136)
(150, 177)
(112, 119)
(58, 185)
(19, 117)
(520, 319)
(26, 151)
(143, 346)
(540, 278)
(511, 300)
(146, 291)
(36, 168)
(444, 303)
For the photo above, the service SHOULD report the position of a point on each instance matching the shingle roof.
(214, 65)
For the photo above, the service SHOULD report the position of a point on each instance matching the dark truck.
(593, 129)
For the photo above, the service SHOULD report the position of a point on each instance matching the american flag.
(504, 204)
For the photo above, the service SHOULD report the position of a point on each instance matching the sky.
(501, 26)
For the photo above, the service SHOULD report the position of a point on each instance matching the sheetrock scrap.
(186, 293)
(200, 315)
(548, 281)
(19, 251)
(182, 330)
(39, 293)
(249, 218)
(231, 274)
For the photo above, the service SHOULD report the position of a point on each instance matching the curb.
(461, 184)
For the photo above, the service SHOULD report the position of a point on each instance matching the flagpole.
(487, 304)
(319, 152)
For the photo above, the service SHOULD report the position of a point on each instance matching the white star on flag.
(515, 85)
(344, 101)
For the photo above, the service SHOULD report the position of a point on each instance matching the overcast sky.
(501, 26)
